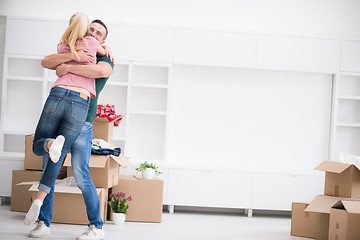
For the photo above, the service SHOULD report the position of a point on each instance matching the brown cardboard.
(345, 220)
(104, 169)
(20, 196)
(302, 223)
(32, 161)
(69, 206)
(341, 179)
(147, 198)
(103, 129)
(321, 206)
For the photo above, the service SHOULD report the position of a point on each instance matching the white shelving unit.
(140, 91)
(23, 79)
(346, 114)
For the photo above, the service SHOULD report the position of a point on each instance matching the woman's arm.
(101, 69)
(101, 51)
(54, 60)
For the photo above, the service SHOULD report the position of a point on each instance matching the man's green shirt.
(99, 85)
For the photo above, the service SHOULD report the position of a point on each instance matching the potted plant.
(148, 170)
(119, 206)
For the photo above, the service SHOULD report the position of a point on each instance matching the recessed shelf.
(28, 67)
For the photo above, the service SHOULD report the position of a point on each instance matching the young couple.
(67, 117)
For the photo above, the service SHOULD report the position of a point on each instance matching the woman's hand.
(85, 56)
(109, 53)
(62, 69)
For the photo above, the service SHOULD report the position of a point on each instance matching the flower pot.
(118, 218)
(148, 173)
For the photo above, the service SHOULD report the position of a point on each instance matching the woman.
(65, 109)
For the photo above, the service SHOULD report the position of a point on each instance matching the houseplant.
(119, 206)
(148, 170)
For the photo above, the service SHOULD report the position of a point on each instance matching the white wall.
(323, 18)
(249, 119)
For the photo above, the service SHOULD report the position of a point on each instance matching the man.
(81, 149)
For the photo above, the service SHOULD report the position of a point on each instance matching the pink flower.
(130, 198)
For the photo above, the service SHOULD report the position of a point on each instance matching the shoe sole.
(37, 236)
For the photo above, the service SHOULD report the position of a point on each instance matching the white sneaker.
(92, 233)
(40, 230)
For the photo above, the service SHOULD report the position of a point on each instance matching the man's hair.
(102, 24)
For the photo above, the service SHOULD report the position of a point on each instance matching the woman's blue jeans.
(80, 156)
(64, 113)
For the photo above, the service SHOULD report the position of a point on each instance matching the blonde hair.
(79, 26)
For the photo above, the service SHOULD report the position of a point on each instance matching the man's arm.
(54, 60)
(101, 69)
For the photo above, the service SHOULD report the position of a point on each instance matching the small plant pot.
(148, 173)
(118, 218)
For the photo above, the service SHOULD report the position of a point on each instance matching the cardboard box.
(32, 161)
(147, 198)
(69, 206)
(103, 129)
(345, 221)
(20, 195)
(341, 179)
(321, 206)
(302, 223)
(104, 169)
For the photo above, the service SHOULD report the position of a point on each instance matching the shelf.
(120, 84)
(22, 78)
(119, 138)
(12, 156)
(347, 124)
(150, 85)
(16, 132)
(348, 97)
(350, 74)
(160, 113)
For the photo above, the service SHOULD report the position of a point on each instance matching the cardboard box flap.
(334, 167)
(351, 206)
(322, 204)
(62, 189)
(98, 161)
(26, 183)
(104, 119)
(121, 160)
(101, 119)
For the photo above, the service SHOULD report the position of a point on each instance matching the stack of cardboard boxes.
(336, 214)
(104, 172)
(69, 205)
(21, 198)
